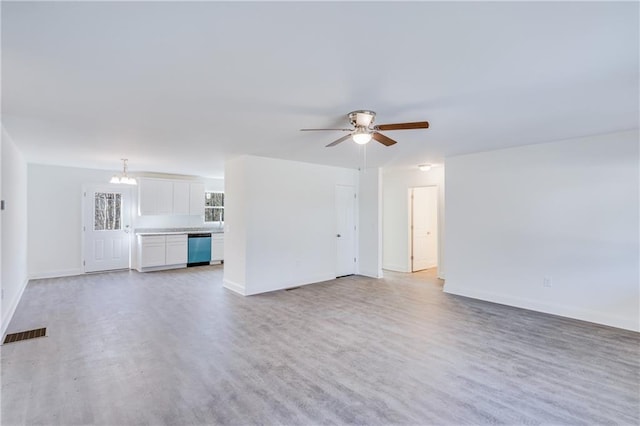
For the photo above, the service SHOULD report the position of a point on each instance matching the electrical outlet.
(547, 282)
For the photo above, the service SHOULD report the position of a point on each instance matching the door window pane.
(107, 211)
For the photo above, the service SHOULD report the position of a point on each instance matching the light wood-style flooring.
(176, 348)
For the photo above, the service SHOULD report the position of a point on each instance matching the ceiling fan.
(364, 130)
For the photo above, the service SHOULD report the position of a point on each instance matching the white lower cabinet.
(151, 250)
(217, 248)
(157, 252)
(177, 247)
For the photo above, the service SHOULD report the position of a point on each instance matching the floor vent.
(24, 335)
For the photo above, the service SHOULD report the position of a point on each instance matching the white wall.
(236, 218)
(55, 216)
(395, 204)
(567, 210)
(14, 228)
(370, 223)
(2, 322)
(284, 211)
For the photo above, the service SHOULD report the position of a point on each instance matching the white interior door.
(106, 227)
(424, 228)
(345, 230)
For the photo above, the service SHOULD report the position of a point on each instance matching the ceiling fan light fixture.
(361, 118)
(364, 131)
(424, 167)
(361, 136)
(124, 178)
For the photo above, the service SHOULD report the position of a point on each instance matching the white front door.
(106, 227)
(345, 230)
(424, 228)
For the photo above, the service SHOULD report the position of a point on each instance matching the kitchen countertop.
(167, 231)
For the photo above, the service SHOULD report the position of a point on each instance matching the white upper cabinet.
(155, 196)
(181, 197)
(170, 197)
(196, 203)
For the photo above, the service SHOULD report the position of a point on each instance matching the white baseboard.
(236, 288)
(55, 274)
(396, 268)
(371, 274)
(298, 282)
(548, 308)
(8, 314)
(161, 268)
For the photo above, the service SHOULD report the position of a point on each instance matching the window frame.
(221, 222)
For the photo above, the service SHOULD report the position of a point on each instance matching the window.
(107, 212)
(214, 206)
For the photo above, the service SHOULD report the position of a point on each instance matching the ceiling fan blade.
(336, 142)
(384, 140)
(316, 130)
(403, 126)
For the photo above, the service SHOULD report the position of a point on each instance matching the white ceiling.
(180, 87)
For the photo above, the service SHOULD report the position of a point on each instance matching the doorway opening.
(423, 228)
(345, 230)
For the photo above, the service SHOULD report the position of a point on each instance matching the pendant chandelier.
(124, 178)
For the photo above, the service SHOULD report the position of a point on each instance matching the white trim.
(296, 283)
(236, 288)
(283, 286)
(158, 268)
(549, 308)
(371, 274)
(56, 274)
(395, 267)
(7, 315)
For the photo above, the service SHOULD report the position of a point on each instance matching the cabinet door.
(155, 197)
(146, 197)
(196, 199)
(181, 197)
(152, 251)
(164, 197)
(217, 247)
(176, 251)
